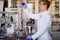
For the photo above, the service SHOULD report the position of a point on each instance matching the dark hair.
(45, 2)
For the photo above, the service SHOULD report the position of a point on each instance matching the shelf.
(31, 1)
(9, 12)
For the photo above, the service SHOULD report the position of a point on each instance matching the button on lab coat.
(43, 24)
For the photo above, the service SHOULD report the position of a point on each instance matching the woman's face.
(42, 6)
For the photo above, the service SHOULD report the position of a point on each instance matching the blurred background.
(13, 18)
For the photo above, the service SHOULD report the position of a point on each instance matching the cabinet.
(56, 15)
(55, 11)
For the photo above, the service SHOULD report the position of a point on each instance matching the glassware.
(21, 31)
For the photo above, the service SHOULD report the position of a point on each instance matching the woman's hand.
(29, 37)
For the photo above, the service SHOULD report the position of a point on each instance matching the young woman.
(43, 21)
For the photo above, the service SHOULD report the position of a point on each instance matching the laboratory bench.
(14, 37)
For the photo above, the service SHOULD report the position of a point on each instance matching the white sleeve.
(42, 27)
(31, 15)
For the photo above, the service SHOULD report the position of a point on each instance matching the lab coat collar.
(45, 12)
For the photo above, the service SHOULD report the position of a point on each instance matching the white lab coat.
(43, 24)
